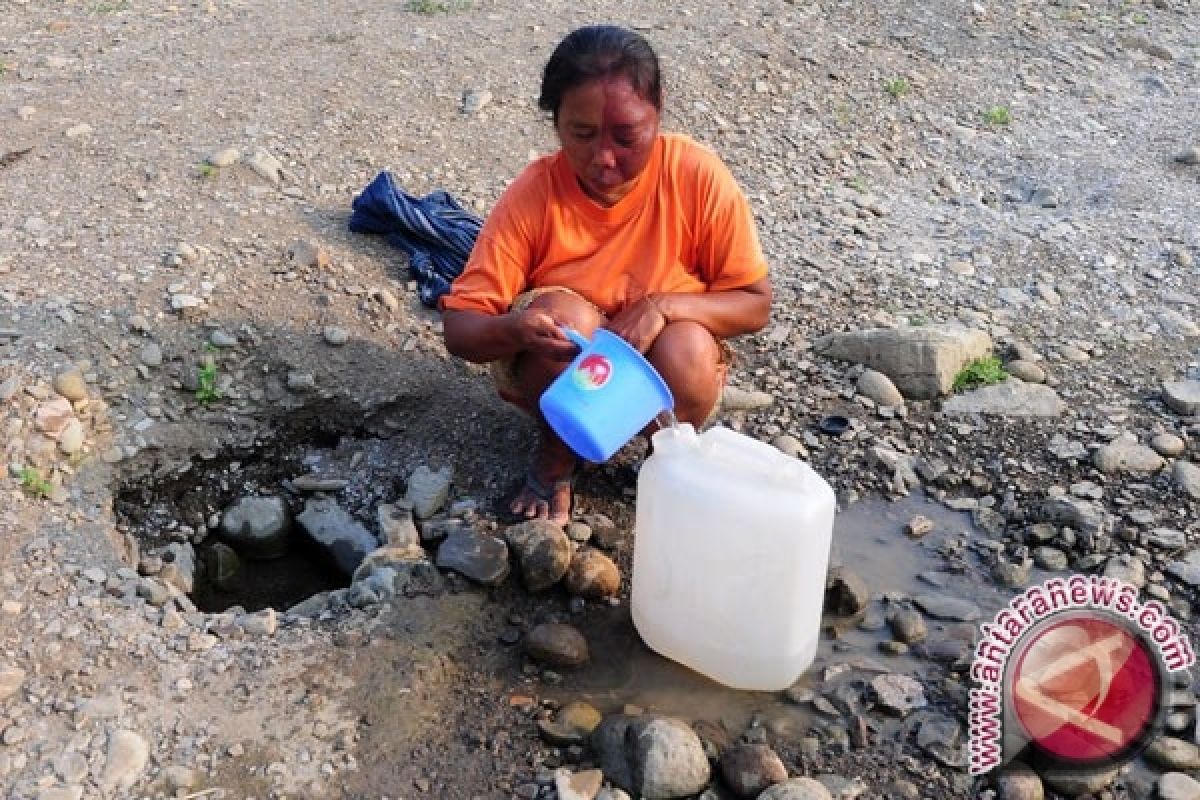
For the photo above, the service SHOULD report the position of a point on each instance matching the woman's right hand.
(539, 333)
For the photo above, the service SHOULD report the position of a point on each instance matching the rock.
(578, 532)
(265, 165)
(397, 527)
(474, 100)
(557, 645)
(70, 440)
(572, 725)
(9, 388)
(260, 623)
(593, 575)
(343, 539)
(225, 157)
(303, 254)
(11, 681)
(1013, 574)
(909, 626)
(735, 399)
(298, 381)
(482, 558)
(898, 694)
(653, 757)
(1183, 397)
(797, 789)
(221, 339)
(940, 606)
(1007, 399)
(921, 362)
(181, 301)
(1173, 754)
(315, 483)
(1026, 371)
(1187, 477)
(71, 766)
(1075, 784)
(1178, 786)
(879, 388)
(1018, 782)
(127, 756)
(179, 569)
(845, 592)
(61, 793)
(335, 336)
(748, 769)
(70, 384)
(1126, 567)
(1050, 558)
(223, 565)
(257, 527)
(918, 526)
(1173, 323)
(1166, 539)
(182, 778)
(428, 490)
(1168, 445)
(543, 551)
(1190, 156)
(51, 416)
(1082, 515)
(77, 131)
(612, 794)
(1124, 454)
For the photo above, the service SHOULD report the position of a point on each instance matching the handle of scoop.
(576, 337)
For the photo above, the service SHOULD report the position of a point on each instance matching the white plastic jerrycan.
(729, 560)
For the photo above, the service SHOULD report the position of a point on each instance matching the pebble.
(303, 254)
(78, 131)
(918, 526)
(572, 725)
(797, 789)
(1182, 397)
(70, 384)
(70, 440)
(225, 157)
(11, 681)
(151, 355)
(1018, 782)
(335, 336)
(475, 100)
(1186, 476)
(879, 387)
(748, 769)
(947, 607)
(593, 575)
(1168, 445)
(1173, 754)
(736, 399)
(1026, 371)
(909, 626)
(128, 753)
(1190, 156)
(1178, 786)
(543, 553)
(557, 645)
(219, 338)
(428, 489)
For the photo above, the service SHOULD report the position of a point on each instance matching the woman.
(643, 233)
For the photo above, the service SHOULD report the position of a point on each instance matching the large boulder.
(479, 557)
(339, 535)
(922, 362)
(543, 550)
(257, 527)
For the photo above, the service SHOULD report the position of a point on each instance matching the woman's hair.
(600, 51)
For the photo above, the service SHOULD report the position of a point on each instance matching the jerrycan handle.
(751, 454)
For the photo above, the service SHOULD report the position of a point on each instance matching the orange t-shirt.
(684, 227)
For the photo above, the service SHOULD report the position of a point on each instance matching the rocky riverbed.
(201, 367)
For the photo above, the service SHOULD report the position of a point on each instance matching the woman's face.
(607, 132)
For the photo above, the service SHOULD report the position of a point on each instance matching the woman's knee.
(569, 309)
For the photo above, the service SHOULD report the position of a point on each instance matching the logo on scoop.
(593, 372)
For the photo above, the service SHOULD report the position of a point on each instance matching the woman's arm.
(480, 337)
(724, 313)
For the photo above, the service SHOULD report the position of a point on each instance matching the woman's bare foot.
(547, 490)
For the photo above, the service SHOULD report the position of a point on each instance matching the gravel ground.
(1027, 169)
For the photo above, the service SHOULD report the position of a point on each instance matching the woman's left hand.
(639, 324)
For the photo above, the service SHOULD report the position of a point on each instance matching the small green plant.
(858, 184)
(206, 170)
(206, 376)
(980, 372)
(897, 87)
(33, 482)
(999, 115)
(1140, 19)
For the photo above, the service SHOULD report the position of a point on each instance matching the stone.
(557, 645)
(652, 757)
(1168, 445)
(572, 725)
(879, 387)
(1173, 323)
(51, 416)
(265, 165)
(1182, 397)
(334, 336)
(11, 681)
(182, 301)
(127, 755)
(593, 575)
(70, 440)
(1190, 156)
(1186, 476)
(61, 793)
(845, 592)
(1173, 754)
(922, 362)
(474, 100)
(918, 526)
(260, 623)
(941, 606)
(1026, 371)
(1075, 783)
(481, 558)
(398, 528)
(338, 534)
(71, 766)
(1050, 558)
(1127, 568)
(797, 789)
(1082, 515)
(1166, 539)
(735, 399)
(748, 769)
(177, 778)
(223, 340)
(1124, 454)
(225, 157)
(428, 490)
(1010, 398)
(612, 794)
(70, 384)
(223, 565)
(257, 527)
(302, 254)
(543, 551)
(578, 532)
(1178, 786)
(909, 626)
(179, 567)
(898, 694)
(1017, 781)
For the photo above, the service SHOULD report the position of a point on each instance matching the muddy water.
(869, 540)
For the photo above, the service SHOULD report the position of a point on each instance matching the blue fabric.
(435, 231)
